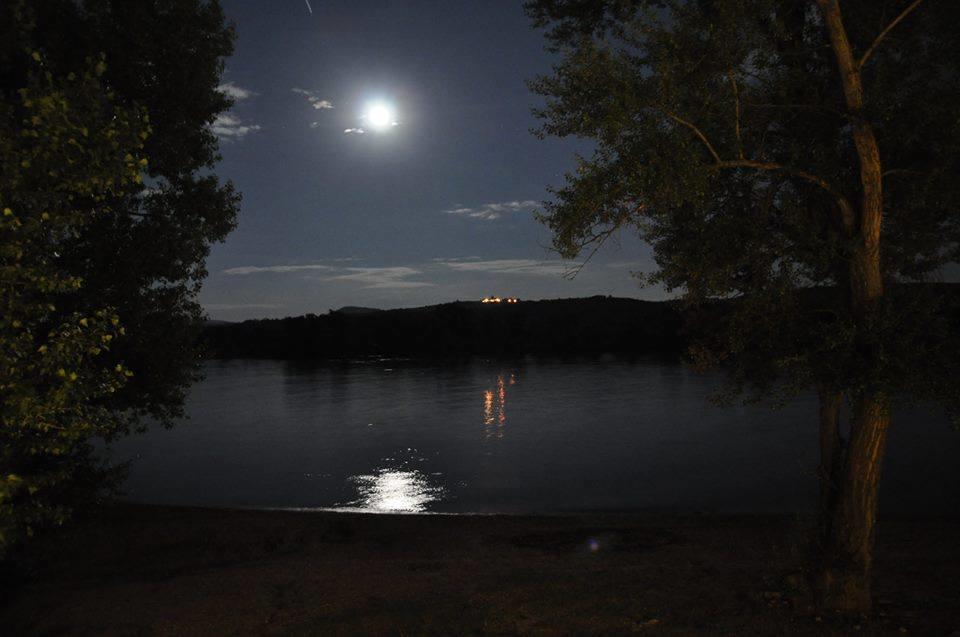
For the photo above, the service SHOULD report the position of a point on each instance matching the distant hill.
(566, 326)
(592, 325)
(353, 309)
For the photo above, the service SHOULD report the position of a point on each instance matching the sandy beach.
(147, 570)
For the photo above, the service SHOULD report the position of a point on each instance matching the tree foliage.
(110, 210)
(67, 150)
(148, 259)
(721, 138)
(797, 160)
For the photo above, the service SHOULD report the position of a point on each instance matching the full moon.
(379, 116)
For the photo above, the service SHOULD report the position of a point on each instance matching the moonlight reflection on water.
(394, 491)
(524, 436)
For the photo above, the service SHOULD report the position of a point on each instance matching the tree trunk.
(844, 581)
(831, 459)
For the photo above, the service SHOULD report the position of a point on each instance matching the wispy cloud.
(369, 278)
(513, 266)
(239, 306)
(491, 211)
(407, 277)
(621, 265)
(315, 100)
(354, 131)
(255, 269)
(228, 126)
(236, 92)
(381, 278)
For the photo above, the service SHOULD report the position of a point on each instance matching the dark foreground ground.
(142, 570)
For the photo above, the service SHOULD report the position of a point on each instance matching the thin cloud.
(235, 92)
(256, 269)
(313, 98)
(400, 285)
(381, 278)
(240, 306)
(513, 266)
(492, 211)
(628, 264)
(396, 277)
(354, 131)
(228, 126)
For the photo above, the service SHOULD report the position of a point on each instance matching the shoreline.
(132, 569)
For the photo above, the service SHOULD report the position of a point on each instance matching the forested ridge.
(594, 325)
(463, 328)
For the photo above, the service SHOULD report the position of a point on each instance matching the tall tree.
(106, 237)
(795, 160)
(66, 152)
(148, 259)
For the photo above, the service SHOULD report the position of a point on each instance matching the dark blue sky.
(331, 218)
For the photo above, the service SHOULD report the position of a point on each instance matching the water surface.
(519, 437)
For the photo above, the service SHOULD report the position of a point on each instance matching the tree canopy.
(721, 138)
(146, 260)
(110, 208)
(797, 159)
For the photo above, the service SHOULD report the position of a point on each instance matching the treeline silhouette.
(592, 325)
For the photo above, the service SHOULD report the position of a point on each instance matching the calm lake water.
(519, 437)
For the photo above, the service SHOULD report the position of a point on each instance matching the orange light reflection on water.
(495, 406)
(488, 408)
(502, 395)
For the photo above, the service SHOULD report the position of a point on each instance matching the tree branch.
(846, 210)
(696, 131)
(773, 166)
(866, 56)
(598, 239)
(901, 171)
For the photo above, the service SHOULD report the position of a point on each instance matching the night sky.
(436, 208)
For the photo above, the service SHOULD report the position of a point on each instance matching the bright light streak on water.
(394, 491)
(495, 408)
(502, 407)
(488, 408)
